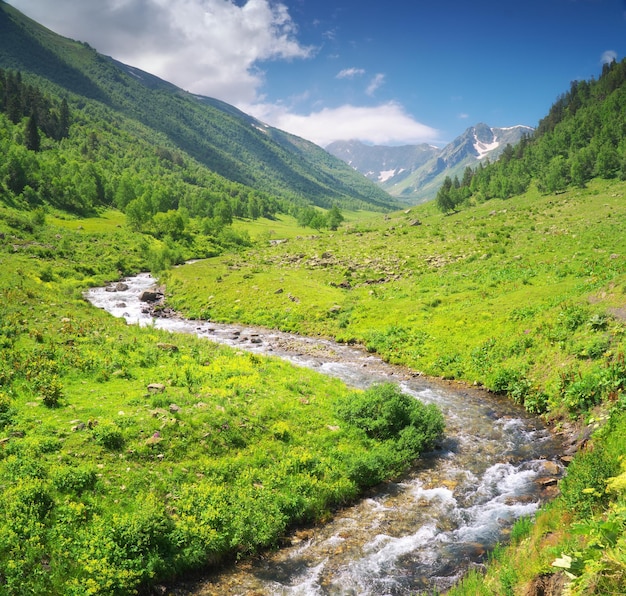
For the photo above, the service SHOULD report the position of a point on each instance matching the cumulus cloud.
(609, 56)
(217, 48)
(212, 47)
(384, 124)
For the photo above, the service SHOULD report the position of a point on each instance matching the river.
(495, 465)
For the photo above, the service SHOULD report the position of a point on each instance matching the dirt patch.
(619, 312)
(547, 585)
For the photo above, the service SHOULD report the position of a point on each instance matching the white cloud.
(463, 116)
(375, 84)
(609, 56)
(211, 47)
(385, 124)
(215, 48)
(350, 73)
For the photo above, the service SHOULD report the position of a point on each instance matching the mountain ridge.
(413, 173)
(229, 142)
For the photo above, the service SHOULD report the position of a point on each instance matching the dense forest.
(582, 137)
(82, 160)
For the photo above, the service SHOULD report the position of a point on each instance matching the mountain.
(413, 173)
(217, 135)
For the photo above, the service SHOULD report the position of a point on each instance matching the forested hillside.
(211, 133)
(582, 137)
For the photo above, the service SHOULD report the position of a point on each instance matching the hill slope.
(217, 135)
(413, 173)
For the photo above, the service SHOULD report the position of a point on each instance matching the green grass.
(108, 486)
(526, 297)
(504, 285)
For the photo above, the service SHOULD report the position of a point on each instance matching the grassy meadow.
(524, 296)
(130, 455)
(521, 296)
(109, 486)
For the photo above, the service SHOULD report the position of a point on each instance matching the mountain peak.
(413, 173)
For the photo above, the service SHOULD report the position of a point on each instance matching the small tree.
(445, 200)
(334, 218)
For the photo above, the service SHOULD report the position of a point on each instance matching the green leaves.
(385, 413)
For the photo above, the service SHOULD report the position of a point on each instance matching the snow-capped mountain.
(413, 173)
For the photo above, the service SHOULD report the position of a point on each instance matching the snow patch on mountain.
(386, 174)
(528, 128)
(484, 149)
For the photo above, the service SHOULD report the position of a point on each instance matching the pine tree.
(444, 199)
(33, 140)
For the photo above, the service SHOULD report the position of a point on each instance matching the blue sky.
(393, 72)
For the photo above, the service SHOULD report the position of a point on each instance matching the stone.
(150, 296)
(167, 347)
(551, 468)
(156, 388)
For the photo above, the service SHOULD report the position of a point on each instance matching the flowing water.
(495, 465)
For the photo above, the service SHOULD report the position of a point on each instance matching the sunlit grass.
(503, 271)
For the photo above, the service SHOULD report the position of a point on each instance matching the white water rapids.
(408, 537)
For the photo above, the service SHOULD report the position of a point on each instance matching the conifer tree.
(33, 139)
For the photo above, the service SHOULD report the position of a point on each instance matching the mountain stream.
(494, 465)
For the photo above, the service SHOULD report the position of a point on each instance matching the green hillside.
(214, 134)
(582, 137)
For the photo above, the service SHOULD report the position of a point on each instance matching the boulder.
(150, 296)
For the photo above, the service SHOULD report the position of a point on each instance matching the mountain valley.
(413, 173)
(132, 457)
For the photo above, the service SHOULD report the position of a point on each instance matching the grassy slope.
(524, 296)
(106, 486)
(525, 285)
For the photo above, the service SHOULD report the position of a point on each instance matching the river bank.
(495, 465)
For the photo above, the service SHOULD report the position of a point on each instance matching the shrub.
(109, 436)
(584, 488)
(579, 391)
(74, 480)
(385, 413)
(6, 411)
(50, 390)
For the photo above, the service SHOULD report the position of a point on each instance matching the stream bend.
(495, 465)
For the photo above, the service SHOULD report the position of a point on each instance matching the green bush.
(383, 412)
(6, 411)
(584, 487)
(581, 391)
(50, 390)
(109, 436)
(74, 480)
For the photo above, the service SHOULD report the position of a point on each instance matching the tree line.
(88, 157)
(582, 137)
